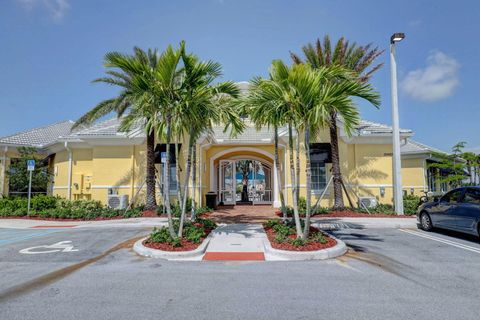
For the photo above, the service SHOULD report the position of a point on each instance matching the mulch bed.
(311, 246)
(64, 219)
(186, 245)
(353, 214)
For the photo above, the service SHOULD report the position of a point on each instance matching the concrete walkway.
(237, 242)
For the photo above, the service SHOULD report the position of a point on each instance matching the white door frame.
(232, 188)
(213, 182)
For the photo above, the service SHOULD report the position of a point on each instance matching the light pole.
(397, 165)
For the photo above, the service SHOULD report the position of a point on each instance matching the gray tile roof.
(249, 135)
(107, 128)
(415, 147)
(371, 128)
(38, 137)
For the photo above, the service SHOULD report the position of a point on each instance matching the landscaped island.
(282, 236)
(194, 232)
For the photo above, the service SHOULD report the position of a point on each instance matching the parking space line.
(442, 240)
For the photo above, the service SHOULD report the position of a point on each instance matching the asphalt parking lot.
(94, 274)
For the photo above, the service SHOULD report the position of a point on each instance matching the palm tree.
(201, 106)
(128, 72)
(155, 108)
(269, 104)
(301, 97)
(352, 57)
(323, 90)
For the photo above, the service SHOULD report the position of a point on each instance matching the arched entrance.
(244, 180)
(243, 176)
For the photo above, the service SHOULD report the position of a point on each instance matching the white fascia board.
(371, 139)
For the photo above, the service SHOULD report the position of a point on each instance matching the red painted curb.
(48, 227)
(234, 256)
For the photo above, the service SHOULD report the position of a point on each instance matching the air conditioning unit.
(116, 201)
(369, 202)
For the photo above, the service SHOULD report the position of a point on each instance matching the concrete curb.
(196, 254)
(275, 254)
(364, 223)
(128, 222)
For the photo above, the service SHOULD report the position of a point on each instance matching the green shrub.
(410, 204)
(207, 223)
(160, 235)
(175, 208)
(43, 202)
(271, 223)
(283, 230)
(317, 237)
(13, 206)
(202, 210)
(297, 242)
(193, 233)
(280, 238)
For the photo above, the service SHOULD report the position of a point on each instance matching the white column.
(4, 171)
(276, 202)
(70, 163)
(397, 165)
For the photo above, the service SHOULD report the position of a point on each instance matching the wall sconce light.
(412, 191)
(382, 192)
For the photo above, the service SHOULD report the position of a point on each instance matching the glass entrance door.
(226, 190)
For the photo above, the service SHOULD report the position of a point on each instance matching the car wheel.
(426, 222)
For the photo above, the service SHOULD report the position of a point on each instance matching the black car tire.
(425, 221)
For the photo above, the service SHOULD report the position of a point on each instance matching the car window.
(452, 196)
(472, 196)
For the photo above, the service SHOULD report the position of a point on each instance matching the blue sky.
(52, 49)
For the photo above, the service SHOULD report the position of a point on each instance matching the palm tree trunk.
(151, 201)
(337, 175)
(177, 175)
(183, 206)
(194, 179)
(297, 165)
(308, 172)
(167, 177)
(279, 182)
(296, 215)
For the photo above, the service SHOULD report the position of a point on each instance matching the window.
(320, 154)
(452, 196)
(319, 179)
(173, 177)
(431, 179)
(472, 196)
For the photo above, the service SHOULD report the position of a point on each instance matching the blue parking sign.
(30, 165)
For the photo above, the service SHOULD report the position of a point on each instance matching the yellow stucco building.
(98, 161)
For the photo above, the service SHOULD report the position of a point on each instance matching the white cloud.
(56, 8)
(438, 80)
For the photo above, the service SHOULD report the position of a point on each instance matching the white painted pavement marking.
(445, 241)
(62, 246)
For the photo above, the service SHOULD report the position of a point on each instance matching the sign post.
(30, 168)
